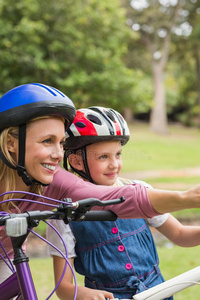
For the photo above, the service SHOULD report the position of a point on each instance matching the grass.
(178, 260)
(42, 272)
(172, 154)
(147, 151)
(173, 261)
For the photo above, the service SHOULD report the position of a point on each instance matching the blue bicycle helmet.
(26, 102)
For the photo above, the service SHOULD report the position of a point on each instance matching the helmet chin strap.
(21, 159)
(86, 175)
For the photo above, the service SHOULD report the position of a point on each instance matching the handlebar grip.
(100, 215)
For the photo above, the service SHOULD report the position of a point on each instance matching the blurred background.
(140, 57)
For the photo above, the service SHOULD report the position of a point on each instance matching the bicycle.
(18, 226)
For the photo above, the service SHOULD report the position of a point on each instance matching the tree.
(186, 61)
(156, 20)
(76, 46)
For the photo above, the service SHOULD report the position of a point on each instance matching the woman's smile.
(49, 167)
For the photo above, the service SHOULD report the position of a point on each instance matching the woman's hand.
(169, 201)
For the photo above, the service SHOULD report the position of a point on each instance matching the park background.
(140, 57)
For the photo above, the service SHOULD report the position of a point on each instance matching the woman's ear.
(76, 161)
(12, 144)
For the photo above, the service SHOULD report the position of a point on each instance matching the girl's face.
(104, 161)
(44, 148)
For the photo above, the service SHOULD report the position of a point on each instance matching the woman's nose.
(57, 152)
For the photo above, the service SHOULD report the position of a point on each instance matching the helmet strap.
(6, 162)
(85, 163)
(21, 170)
(21, 160)
(86, 175)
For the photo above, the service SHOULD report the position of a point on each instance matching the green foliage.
(76, 46)
(152, 20)
(86, 49)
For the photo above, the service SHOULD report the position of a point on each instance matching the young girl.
(119, 257)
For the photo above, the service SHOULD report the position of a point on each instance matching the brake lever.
(77, 210)
(86, 204)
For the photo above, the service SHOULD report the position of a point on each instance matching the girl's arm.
(66, 288)
(181, 235)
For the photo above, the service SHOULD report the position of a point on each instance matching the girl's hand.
(90, 294)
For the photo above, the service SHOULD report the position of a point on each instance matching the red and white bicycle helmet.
(96, 124)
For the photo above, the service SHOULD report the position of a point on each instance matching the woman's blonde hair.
(7, 174)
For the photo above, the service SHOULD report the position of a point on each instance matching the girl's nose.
(113, 163)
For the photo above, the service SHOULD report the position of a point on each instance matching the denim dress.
(119, 257)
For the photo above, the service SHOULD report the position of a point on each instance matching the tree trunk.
(128, 115)
(198, 81)
(158, 117)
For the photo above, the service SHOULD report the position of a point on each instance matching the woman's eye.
(119, 154)
(47, 141)
(62, 143)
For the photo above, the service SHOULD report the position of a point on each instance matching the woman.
(33, 120)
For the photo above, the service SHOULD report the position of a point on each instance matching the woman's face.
(104, 161)
(44, 148)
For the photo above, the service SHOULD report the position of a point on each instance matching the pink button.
(128, 266)
(120, 248)
(114, 230)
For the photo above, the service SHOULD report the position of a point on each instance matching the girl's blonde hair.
(7, 174)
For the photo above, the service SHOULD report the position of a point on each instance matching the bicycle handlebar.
(17, 224)
(100, 215)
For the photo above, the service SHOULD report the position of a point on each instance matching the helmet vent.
(80, 124)
(110, 116)
(94, 119)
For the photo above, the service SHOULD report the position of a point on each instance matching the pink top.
(68, 185)
(137, 204)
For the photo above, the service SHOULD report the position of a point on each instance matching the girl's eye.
(103, 156)
(118, 154)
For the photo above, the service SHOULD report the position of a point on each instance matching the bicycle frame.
(21, 281)
(6, 291)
